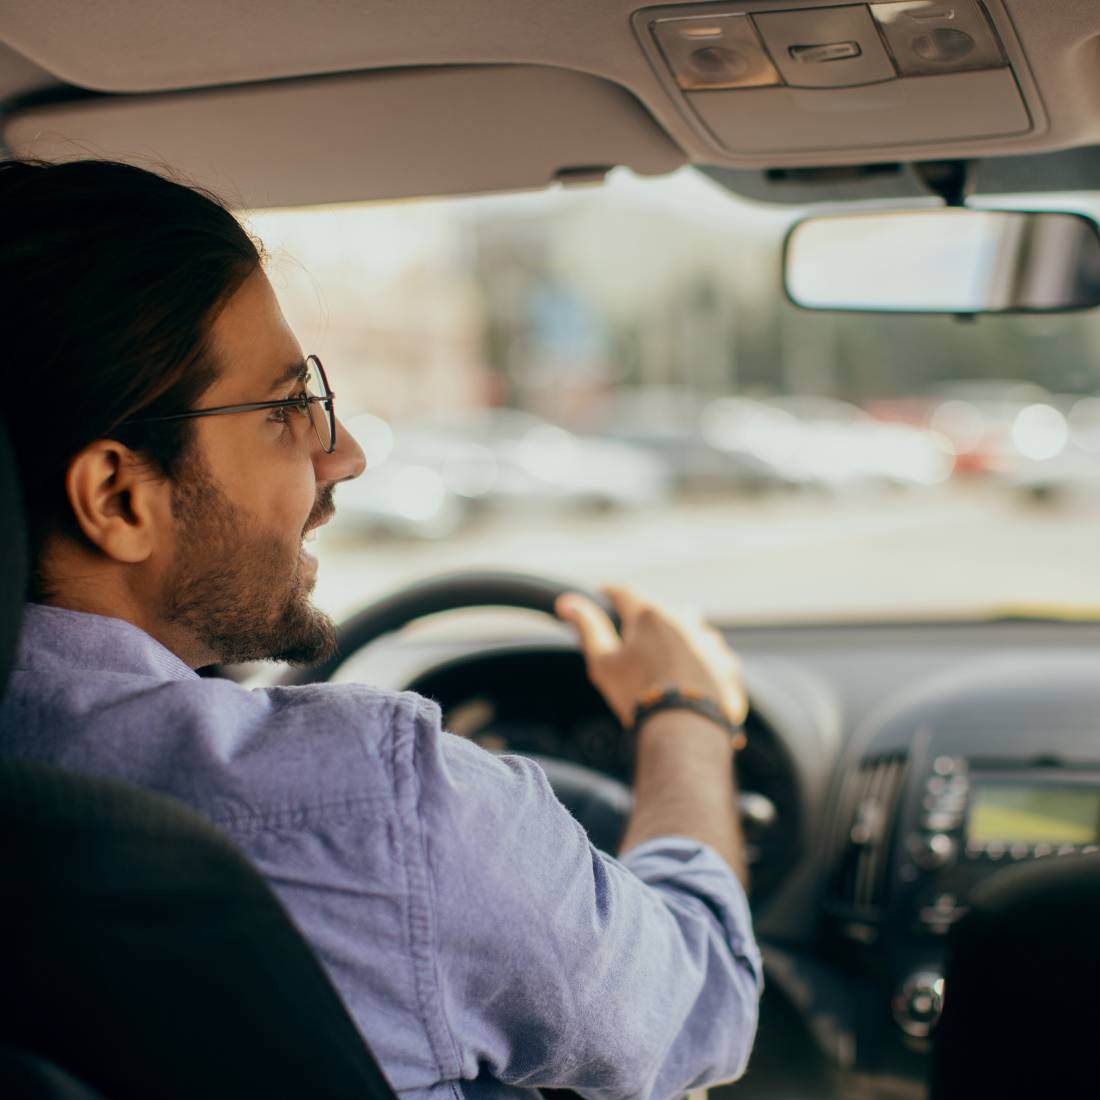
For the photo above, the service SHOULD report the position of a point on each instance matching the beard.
(238, 589)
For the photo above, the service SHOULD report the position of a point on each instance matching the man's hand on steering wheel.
(656, 648)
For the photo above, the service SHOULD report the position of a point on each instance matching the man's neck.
(74, 583)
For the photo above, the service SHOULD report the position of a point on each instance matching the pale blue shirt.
(481, 944)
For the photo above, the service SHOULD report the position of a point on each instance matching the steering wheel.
(600, 803)
(449, 592)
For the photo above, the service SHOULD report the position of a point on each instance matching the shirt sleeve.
(558, 966)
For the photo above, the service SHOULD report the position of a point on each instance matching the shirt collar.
(77, 639)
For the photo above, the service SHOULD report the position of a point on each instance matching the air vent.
(865, 828)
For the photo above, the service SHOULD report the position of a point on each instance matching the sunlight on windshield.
(607, 384)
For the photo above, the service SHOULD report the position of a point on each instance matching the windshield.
(608, 384)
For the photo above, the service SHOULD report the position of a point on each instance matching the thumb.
(597, 633)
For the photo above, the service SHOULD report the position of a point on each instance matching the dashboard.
(895, 768)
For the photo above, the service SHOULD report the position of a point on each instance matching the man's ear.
(117, 499)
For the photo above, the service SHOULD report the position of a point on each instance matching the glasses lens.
(321, 412)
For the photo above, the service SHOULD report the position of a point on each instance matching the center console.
(965, 819)
(988, 769)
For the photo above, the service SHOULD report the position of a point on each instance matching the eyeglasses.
(315, 401)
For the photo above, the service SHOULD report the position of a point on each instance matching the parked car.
(1063, 436)
(995, 426)
(509, 458)
(673, 424)
(402, 500)
(829, 444)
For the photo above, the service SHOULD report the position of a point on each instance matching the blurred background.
(608, 383)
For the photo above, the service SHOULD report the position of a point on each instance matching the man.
(177, 449)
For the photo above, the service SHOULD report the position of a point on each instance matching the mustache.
(323, 508)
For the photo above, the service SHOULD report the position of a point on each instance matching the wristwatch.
(673, 698)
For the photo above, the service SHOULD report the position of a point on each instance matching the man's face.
(253, 485)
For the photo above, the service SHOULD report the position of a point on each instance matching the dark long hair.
(110, 280)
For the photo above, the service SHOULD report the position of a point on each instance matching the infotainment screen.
(1033, 813)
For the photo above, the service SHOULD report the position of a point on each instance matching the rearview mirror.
(945, 261)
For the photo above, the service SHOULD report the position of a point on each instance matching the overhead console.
(771, 80)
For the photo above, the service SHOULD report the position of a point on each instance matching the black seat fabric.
(29, 1078)
(1022, 987)
(13, 558)
(144, 955)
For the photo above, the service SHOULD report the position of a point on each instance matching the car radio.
(972, 817)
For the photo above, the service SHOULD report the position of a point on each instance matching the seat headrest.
(13, 557)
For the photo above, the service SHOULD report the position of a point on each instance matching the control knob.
(933, 851)
(918, 1003)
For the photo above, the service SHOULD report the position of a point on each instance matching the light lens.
(927, 37)
(717, 52)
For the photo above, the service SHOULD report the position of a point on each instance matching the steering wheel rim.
(449, 592)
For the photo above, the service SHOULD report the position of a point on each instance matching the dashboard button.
(941, 821)
(952, 796)
(931, 852)
(943, 911)
(918, 1003)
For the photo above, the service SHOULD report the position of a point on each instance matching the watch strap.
(673, 698)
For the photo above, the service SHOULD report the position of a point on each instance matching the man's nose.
(346, 462)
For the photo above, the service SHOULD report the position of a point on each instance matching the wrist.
(684, 732)
(684, 725)
(686, 702)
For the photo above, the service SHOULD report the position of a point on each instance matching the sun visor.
(388, 134)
